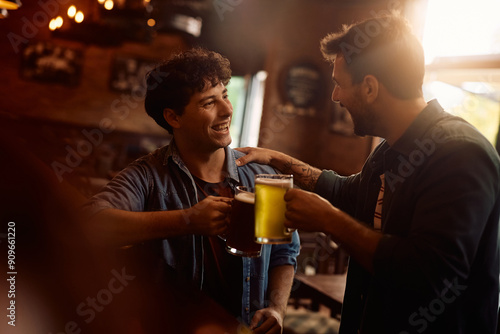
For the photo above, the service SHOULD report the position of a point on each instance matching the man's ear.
(370, 88)
(171, 117)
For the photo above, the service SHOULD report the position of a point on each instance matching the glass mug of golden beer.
(240, 237)
(270, 208)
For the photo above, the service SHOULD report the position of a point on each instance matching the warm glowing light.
(101, 1)
(53, 25)
(79, 17)
(466, 30)
(109, 4)
(71, 11)
(151, 22)
(59, 21)
(10, 4)
(56, 23)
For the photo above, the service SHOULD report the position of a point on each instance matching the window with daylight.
(246, 94)
(461, 28)
(461, 42)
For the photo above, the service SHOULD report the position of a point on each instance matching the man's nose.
(334, 95)
(227, 108)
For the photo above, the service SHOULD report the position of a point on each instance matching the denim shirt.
(161, 181)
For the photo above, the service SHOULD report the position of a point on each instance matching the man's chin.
(359, 132)
(228, 142)
(224, 143)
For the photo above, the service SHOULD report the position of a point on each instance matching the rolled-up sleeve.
(127, 191)
(285, 254)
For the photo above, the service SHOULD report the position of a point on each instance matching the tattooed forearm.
(305, 176)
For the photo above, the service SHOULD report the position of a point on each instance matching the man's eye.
(208, 104)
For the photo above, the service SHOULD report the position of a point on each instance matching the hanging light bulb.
(109, 4)
(79, 17)
(72, 11)
(59, 21)
(52, 25)
(56, 23)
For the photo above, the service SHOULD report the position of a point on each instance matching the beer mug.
(270, 208)
(240, 237)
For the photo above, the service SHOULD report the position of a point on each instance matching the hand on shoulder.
(255, 154)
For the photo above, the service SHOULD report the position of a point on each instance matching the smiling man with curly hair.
(179, 196)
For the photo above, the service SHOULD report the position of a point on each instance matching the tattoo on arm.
(305, 176)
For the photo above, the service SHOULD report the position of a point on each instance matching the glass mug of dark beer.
(240, 237)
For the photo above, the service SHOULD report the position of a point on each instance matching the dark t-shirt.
(223, 271)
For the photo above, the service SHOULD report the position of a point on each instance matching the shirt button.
(247, 279)
(247, 309)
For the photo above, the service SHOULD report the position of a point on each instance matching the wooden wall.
(309, 138)
(274, 35)
(91, 101)
(255, 35)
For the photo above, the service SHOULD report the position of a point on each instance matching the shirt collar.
(231, 168)
(384, 154)
(173, 152)
(427, 118)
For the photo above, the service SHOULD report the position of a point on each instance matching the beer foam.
(280, 183)
(245, 197)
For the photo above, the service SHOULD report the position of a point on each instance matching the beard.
(365, 121)
(360, 128)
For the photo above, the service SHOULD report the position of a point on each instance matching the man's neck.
(208, 166)
(401, 116)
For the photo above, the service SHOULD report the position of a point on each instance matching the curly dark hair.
(172, 83)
